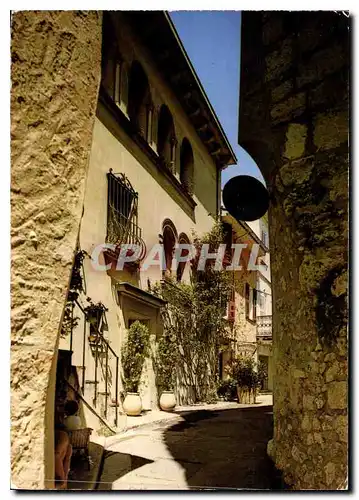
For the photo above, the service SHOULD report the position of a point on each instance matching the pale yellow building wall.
(158, 199)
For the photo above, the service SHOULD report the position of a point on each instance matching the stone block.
(332, 372)
(340, 284)
(319, 402)
(298, 455)
(306, 423)
(318, 438)
(295, 141)
(279, 60)
(316, 424)
(308, 402)
(330, 473)
(310, 439)
(278, 93)
(341, 427)
(331, 129)
(298, 373)
(289, 109)
(322, 63)
(329, 357)
(296, 172)
(337, 395)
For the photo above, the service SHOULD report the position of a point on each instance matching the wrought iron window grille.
(122, 211)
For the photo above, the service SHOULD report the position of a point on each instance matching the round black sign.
(245, 198)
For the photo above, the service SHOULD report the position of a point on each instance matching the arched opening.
(170, 237)
(139, 100)
(186, 165)
(166, 139)
(183, 238)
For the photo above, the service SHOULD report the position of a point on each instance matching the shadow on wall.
(226, 450)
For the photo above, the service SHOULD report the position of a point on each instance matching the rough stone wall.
(294, 98)
(55, 75)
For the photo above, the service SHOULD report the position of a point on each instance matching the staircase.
(96, 364)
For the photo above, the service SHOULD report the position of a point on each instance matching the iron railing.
(264, 327)
(101, 350)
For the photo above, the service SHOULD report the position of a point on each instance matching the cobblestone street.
(214, 448)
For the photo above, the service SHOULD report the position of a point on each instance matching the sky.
(212, 42)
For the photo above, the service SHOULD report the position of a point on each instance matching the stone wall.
(294, 97)
(55, 76)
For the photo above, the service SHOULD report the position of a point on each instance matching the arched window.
(166, 139)
(170, 237)
(139, 100)
(186, 165)
(183, 238)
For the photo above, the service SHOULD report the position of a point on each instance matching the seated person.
(72, 421)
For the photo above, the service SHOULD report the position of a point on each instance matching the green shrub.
(164, 362)
(227, 389)
(133, 354)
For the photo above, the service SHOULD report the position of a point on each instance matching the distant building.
(264, 302)
(249, 310)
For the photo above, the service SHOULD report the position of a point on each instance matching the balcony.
(264, 328)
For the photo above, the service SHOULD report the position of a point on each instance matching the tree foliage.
(194, 320)
(166, 357)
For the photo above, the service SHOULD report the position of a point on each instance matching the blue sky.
(212, 42)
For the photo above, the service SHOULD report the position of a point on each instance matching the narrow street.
(224, 448)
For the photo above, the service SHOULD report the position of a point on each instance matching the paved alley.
(203, 448)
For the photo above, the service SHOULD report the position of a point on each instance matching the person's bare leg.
(67, 462)
(60, 454)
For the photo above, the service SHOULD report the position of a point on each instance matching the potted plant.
(246, 376)
(133, 355)
(165, 375)
(94, 313)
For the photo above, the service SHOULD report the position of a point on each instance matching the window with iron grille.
(122, 211)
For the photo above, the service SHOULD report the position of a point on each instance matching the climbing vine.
(194, 319)
(76, 286)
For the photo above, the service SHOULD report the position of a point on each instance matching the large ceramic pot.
(132, 404)
(167, 401)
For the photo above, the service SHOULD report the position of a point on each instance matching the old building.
(264, 303)
(294, 124)
(249, 311)
(154, 151)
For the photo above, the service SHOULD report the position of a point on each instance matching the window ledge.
(128, 127)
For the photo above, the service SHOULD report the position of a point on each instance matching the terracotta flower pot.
(132, 404)
(167, 401)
